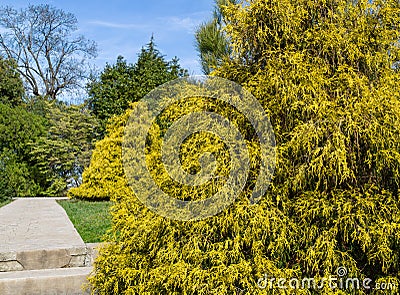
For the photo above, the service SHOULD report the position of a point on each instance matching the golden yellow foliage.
(327, 74)
(104, 179)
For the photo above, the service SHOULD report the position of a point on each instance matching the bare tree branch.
(51, 57)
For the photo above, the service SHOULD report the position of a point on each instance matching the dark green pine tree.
(123, 83)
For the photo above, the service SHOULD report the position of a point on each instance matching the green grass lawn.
(3, 203)
(91, 219)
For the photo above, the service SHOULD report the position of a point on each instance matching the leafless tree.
(51, 56)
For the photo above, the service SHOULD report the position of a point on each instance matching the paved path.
(36, 224)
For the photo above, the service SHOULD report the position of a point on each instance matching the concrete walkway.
(41, 253)
(36, 224)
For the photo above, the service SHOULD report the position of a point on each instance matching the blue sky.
(123, 27)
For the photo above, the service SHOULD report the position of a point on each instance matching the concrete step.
(60, 281)
(48, 258)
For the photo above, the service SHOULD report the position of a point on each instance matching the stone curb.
(48, 259)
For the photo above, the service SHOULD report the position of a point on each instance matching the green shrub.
(19, 129)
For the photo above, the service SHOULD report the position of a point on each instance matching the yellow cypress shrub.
(327, 74)
(104, 179)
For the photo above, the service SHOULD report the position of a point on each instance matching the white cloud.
(187, 23)
(116, 25)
